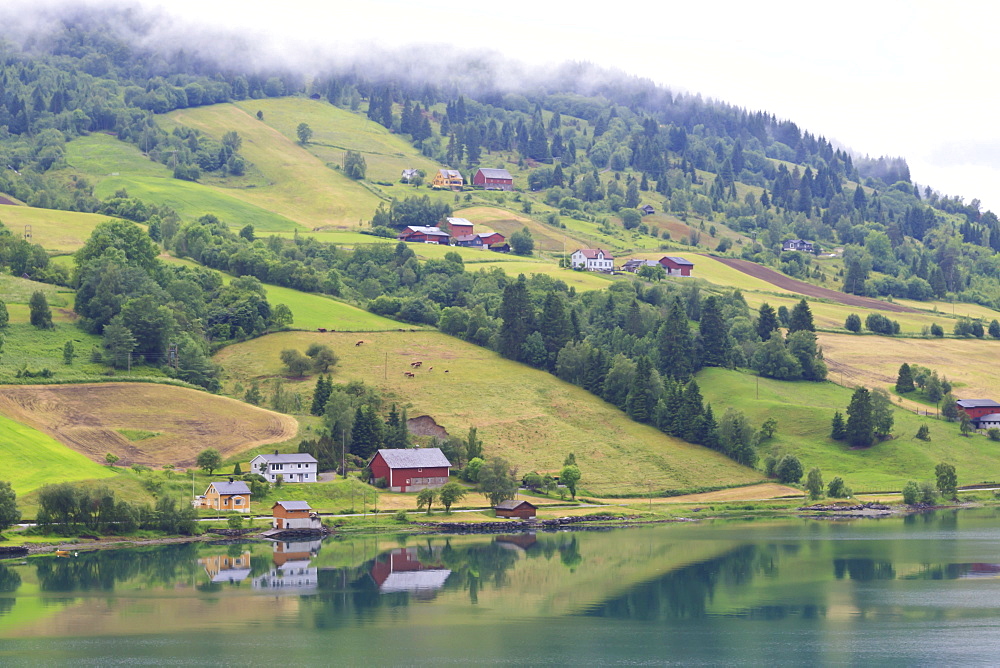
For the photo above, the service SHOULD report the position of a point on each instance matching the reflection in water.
(102, 570)
(402, 570)
(292, 571)
(223, 568)
(863, 570)
(684, 593)
(10, 580)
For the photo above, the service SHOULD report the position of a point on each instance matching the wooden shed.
(516, 509)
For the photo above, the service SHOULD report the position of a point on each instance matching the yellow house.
(448, 178)
(232, 495)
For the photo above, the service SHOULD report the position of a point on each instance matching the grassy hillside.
(175, 423)
(55, 231)
(525, 415)
(114, 165)
(33, 459)
(335, 131)
(298, 184)
(804, 410)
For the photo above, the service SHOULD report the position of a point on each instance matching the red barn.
(676, 266)
(459, 227)
(977, 408)
(411, 470)
(520, 509)
(424, 235)
(493, 179)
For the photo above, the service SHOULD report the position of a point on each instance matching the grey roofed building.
(236, 487)
(411, 458)
(512, 504)
(977, 403)
(680, 260)
(491, 173)
(415, 580)
(292, 458)
(294, 505)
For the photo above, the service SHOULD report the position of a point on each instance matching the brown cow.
(359, 343)
(409, 374)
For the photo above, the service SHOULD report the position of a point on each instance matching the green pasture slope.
(114, 165)
(32, 459)
(804, 411)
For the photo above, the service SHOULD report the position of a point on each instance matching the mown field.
(114, 165)
(804, 411)
(526, 415)
(299, 185)
(89, 420)
(55, 231)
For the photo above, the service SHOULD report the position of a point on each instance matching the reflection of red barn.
(493, 179)
(676, 266)
(411, 470)
(521, 509)
(401, 570)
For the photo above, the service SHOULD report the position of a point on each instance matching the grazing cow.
(446, 371)
(409, 374)
(430, 368)
(359, 343)
(322, 330)
(416, 365)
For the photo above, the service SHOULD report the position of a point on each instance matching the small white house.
(593, 259)
(296, 467)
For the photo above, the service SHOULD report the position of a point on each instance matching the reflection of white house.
(291, 571)
(593, 259)
(295, 467)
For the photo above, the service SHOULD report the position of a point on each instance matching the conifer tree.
(904, 381)
(675, 344)
(767, 321)
(554, 327)
(838, 431)
(801, 318)
(516, 314)
(860, 422)
(713, 334)
(324, 385)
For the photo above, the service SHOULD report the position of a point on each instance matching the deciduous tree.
(570, 476)
(9, 513)
(209, 460)
(450, 494)
(947, 480)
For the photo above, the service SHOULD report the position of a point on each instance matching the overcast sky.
(916, 79)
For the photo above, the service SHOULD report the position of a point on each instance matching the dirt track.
(87, 418)
(808, 289)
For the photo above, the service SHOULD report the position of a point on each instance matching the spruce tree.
(516, 314)
(692, 412)
(324, 385)
(904, 381)
(713, 334)
(860, 422)
(555, 327)
(675, 344)
(838, 431)
(767, 322)
(801, 318)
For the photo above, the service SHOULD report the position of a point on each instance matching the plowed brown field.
(86, 417)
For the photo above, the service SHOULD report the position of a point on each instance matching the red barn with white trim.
(412, 469)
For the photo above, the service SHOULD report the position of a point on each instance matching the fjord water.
(923, 589)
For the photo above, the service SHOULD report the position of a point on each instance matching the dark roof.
(412, 458)
(977, 403)
(678, 260)
(496, 173)
(238, 487)
(468, 237)
(450, 173)
(514, 505)
(293, 458)
(294, 505)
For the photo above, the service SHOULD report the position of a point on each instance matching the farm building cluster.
(598, 259)
(452, 179)
(984, 413)
(457, 232)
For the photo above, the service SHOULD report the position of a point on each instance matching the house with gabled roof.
(593, 259)
(518, 508)
(410, 469)
(676, 266)
(232, 496)
(800, 245)
(421, 234)
(493, 179)
(448, 178)
(297, 515)
(983, 412)
(293, 467)
(459, 227)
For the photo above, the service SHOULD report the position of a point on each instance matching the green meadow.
(804, 411)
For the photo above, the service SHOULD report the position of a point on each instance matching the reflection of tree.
(863, 570)
(569, 553)
(684, 593)
(102, 570)
(9, 582)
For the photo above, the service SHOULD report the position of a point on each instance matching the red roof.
(591, 253)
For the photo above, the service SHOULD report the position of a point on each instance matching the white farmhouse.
(593, 259)
(296, 467)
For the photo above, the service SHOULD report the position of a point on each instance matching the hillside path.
(808, 289)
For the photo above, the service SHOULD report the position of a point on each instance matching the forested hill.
(589, 144)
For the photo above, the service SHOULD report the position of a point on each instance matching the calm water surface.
(922, 590)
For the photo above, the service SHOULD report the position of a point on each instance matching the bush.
(837, 489)
(993, 433)
(853, 323)
(401, 517)
(789, 469)
(924, 433)
(911, 493)
(927, 492)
